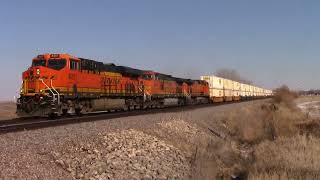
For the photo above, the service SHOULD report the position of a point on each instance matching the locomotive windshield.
(56, 64)
(39, 62)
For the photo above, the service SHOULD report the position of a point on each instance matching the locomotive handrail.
(55, 91)
(54, 97)
(187, 94)
(145, 93)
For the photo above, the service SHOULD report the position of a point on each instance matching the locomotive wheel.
(78, 111)
(52, 116)
(64, 112)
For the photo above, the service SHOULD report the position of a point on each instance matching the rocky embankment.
(128, 154)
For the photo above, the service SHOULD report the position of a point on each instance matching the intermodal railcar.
(221, 89)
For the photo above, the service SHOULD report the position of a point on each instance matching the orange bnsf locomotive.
(60, 84)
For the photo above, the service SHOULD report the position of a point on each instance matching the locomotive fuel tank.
(170, 101)
(104, 104)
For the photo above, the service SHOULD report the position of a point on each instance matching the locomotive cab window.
(56, 64)
(147, 76)
(38, 62)
(74, 65)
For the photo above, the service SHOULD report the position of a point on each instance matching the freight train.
(61, 84)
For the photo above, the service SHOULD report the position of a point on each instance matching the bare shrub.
(254, 124)
(249, 124)
(309, 127)
(234, 160)
(285, 120)
(284, 95)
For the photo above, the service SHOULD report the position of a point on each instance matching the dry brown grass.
(285, 143)
(249, 124)
(254, 124)
(310, 127)
(289, 158)
(285, 120)
(269, 176)
(295, 152)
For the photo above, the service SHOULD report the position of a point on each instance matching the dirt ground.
(7, 110)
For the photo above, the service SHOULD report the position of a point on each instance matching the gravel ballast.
(153, 146)
(127, 154)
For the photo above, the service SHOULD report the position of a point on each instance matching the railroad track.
(21, 124)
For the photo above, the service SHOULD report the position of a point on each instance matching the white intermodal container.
(251, 90)
(268, 92)
(236, 90)
(216, 90)
(245, 90)
(228, 89)
(261, 91)
(255, 91)
(222, 89)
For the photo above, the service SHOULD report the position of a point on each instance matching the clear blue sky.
(269, 42)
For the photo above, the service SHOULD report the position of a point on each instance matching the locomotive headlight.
(38, 71)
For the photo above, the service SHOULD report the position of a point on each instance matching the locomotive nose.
(32, 80)
(37, 71)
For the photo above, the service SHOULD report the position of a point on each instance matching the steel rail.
(21, 124)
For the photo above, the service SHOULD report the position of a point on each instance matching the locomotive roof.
(169, 77)
(129, 71)
(111, 67)
(133, 72)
